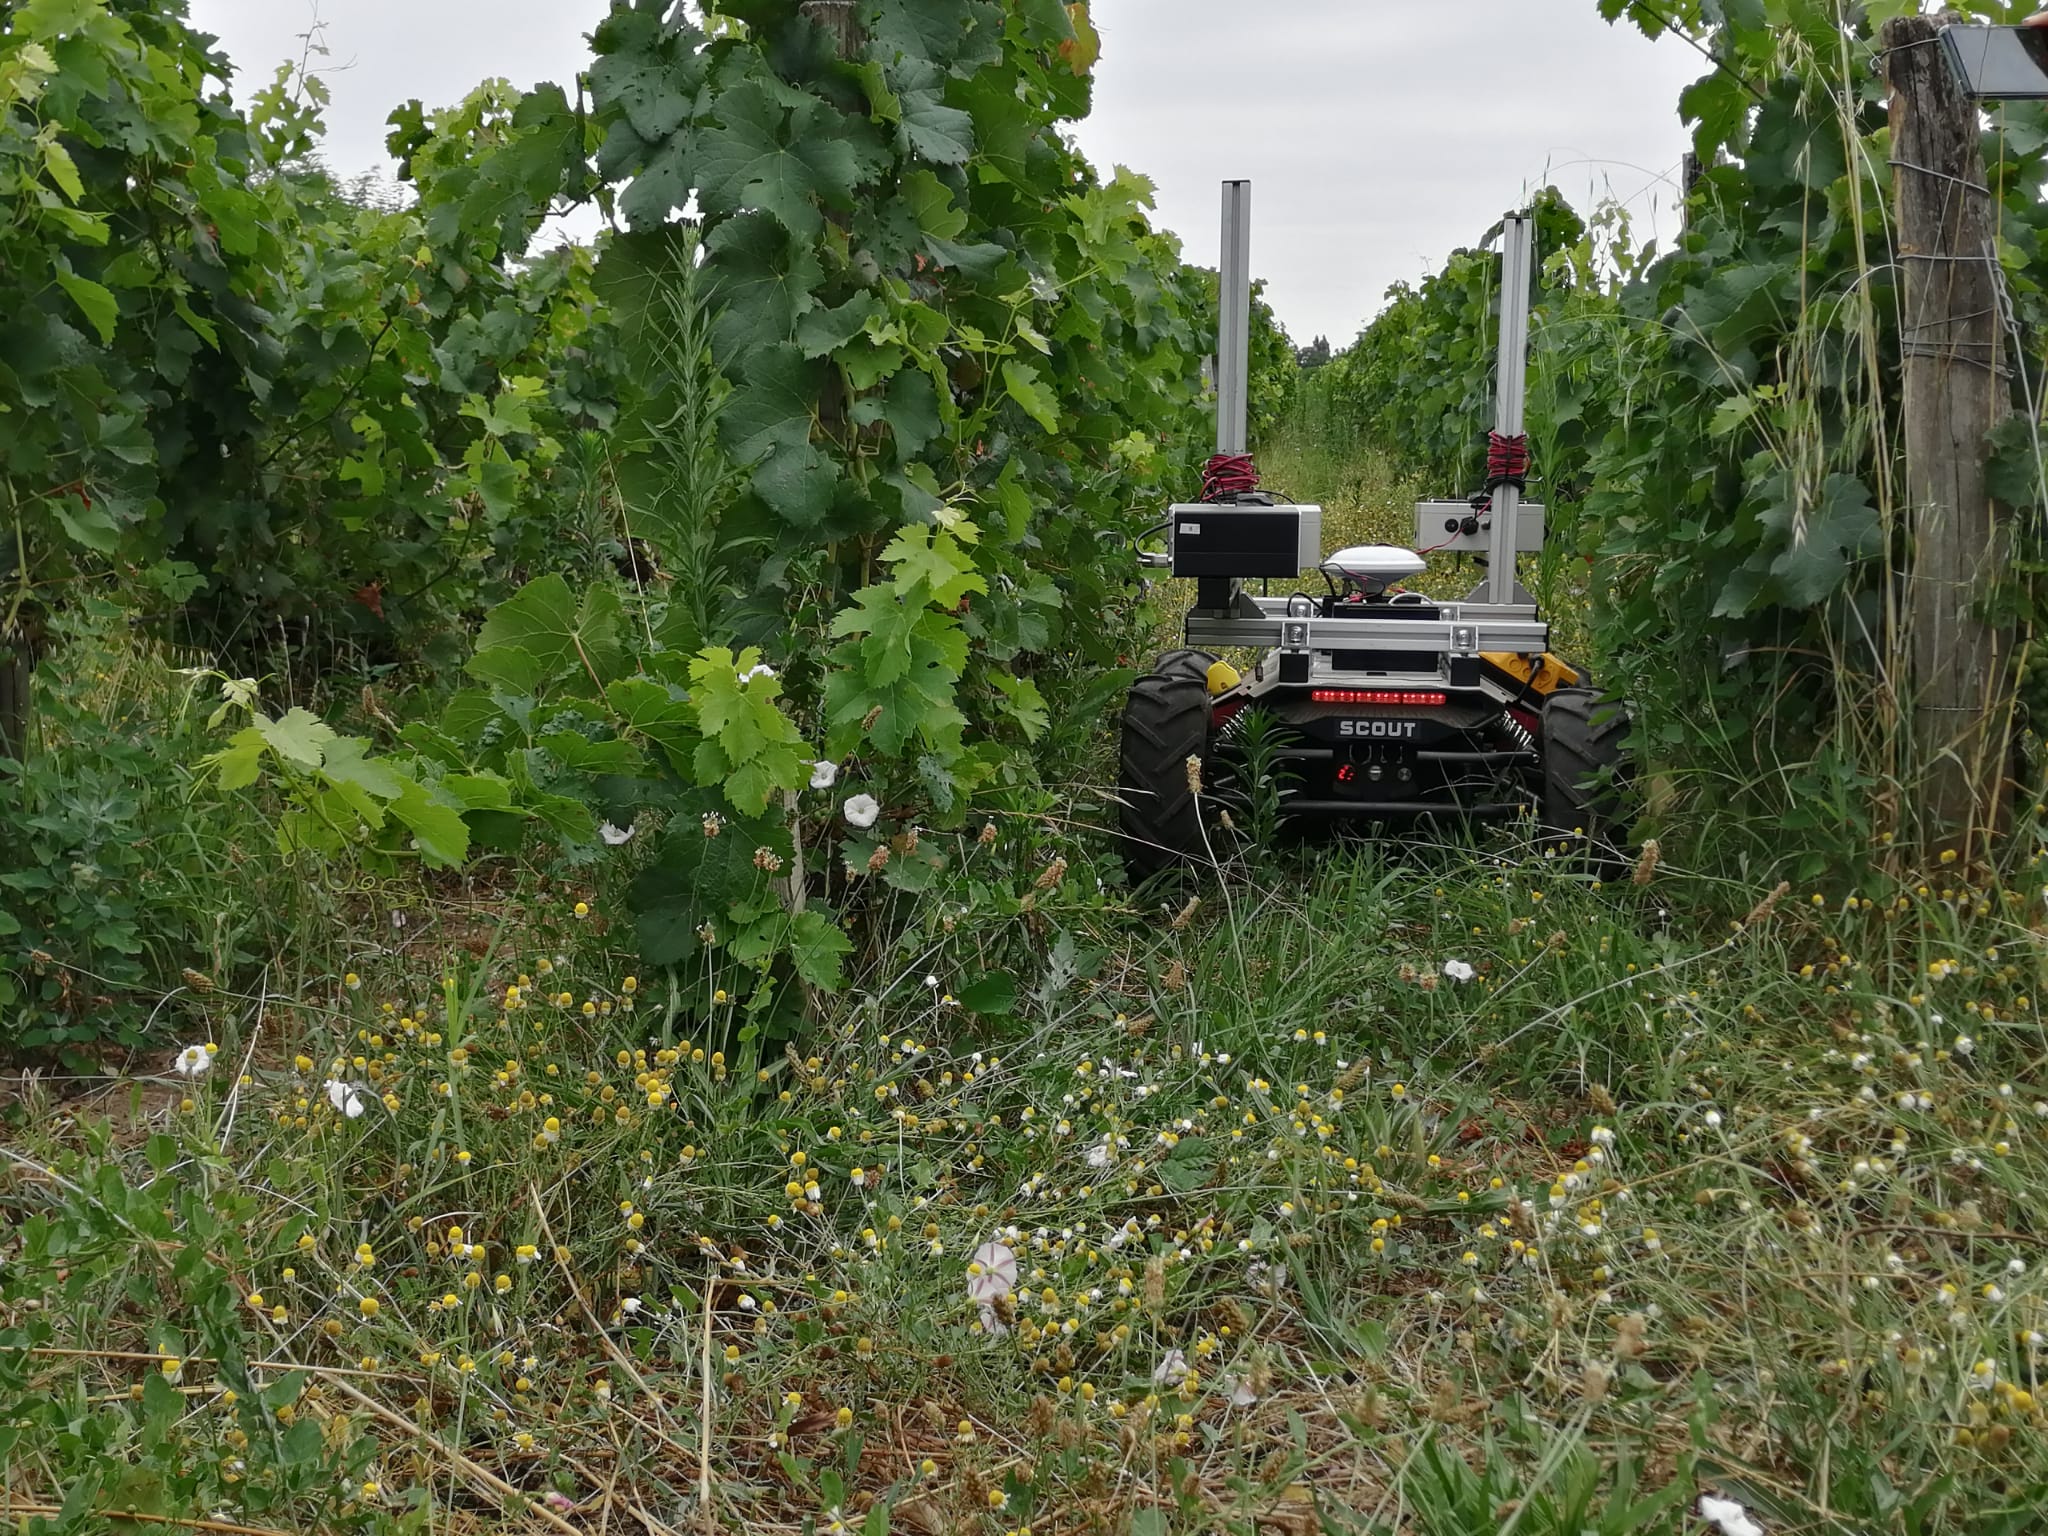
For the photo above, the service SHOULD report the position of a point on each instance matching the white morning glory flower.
(1729, 1516)
(345, 1099)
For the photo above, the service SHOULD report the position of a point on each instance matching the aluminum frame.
(1234, 337)
(1466, 629)
(1518, 271)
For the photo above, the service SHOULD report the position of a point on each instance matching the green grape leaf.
(90, 526)
(961, 35)
(366, 471)
(762, 156)
(926, 126)
(347, 762)
(761, 280)
(663, 183)
(931, 202)
(798, 482)
(826, 330)
(935, 558)
(240, 763)
(63, 170)
(578, 752)
(438, 828)
(818, 948)
(96, 302)
(1023, 385)
(538, 621)
(1023, 703)
(1003, 130)
(891, 625)
(652, 710)
(904, 661)
(649, 68)
(297, 736)
(867, 363)
(542, 635)
(772, 406)
(912, 411)
(994, 994)
(750, 746)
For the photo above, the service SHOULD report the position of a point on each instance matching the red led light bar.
(1382, 697)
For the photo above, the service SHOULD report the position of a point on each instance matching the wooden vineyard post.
(1954, 392)
(839, 18)
(17, 668)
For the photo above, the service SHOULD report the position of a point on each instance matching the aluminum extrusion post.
(1234, 329)
(1518, 245)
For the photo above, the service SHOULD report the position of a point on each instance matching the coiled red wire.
(1229, 475)
(1507, 461)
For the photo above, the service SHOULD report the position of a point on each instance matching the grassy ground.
(1378, 1190)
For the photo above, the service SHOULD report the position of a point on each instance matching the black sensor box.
(1246, 542)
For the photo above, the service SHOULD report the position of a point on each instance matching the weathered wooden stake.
(1955, 391)
(839, 18)
(17, 668)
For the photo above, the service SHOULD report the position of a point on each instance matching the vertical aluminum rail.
(1234, 329)
(1518, 263)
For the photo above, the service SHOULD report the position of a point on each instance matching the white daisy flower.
(195, 1060)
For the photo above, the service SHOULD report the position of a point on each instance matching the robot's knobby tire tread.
(1166, 721)
(1584, 766)
(1195, 664)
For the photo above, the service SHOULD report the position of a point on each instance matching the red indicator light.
(1380, 697)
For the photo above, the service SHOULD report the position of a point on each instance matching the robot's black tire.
(1585, 771)
(1195, 664)
(1166, 722)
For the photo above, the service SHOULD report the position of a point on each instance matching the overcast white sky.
(1379, 134)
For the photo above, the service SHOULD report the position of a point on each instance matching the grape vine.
(957, 364)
